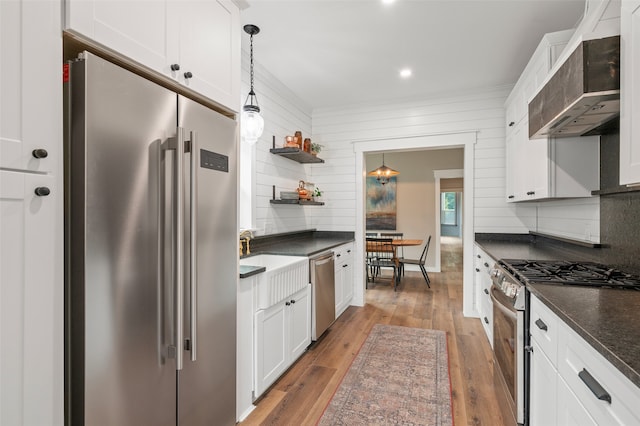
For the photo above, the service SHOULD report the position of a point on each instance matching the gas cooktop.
(570, 273)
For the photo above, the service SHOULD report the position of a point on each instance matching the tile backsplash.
(619, 213)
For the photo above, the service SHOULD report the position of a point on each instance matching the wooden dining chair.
(381, 254)
(420, 262)
(399, 250)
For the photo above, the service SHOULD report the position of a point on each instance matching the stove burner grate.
(570, 273)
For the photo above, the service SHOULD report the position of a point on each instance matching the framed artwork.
(381, 204)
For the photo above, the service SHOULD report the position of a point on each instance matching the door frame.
(463, 139)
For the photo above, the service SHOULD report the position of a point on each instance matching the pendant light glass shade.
(252, 123)
(383, 173)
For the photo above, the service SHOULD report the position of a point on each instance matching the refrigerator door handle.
(193, 255)
(178, 214)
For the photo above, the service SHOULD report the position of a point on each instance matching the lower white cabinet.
(282, 333)
(566, 374)
(543, 388)
(570, 412)
(483, 263)
(31, 300)
(343, 277)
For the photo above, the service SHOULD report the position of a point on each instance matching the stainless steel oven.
(510, 330)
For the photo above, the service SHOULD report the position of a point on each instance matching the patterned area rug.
(399, 377)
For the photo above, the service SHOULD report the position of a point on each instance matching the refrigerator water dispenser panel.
(214, 161)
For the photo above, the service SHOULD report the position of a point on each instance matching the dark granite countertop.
(605, 318)
(247, 271)
(302, 243)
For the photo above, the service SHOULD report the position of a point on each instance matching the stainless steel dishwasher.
(323, 293)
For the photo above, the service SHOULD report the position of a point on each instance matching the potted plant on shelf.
(316, 194)
(316, 148)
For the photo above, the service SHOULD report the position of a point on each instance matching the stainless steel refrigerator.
(151, 253)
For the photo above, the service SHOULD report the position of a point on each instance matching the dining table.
(395, 243)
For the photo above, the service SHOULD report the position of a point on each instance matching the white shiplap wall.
(283, 114)
(481, 111)
(337, 128)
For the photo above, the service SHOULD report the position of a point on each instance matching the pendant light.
(252, 122)
(383, 173)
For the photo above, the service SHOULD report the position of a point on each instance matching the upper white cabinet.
(196, 43)
(538, 169)
(630, 93)
(31, 86)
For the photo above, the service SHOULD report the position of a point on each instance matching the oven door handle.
(498, 304)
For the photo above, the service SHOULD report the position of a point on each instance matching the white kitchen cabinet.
(244, 347)
(31, 101)
(31, 300)
(566, 399)
(31, 226)
(196, 43)
(538, 169)
(569, 410)
(544, 357)
(543, 388)
(630, 93)
(343, 277)
(282, 333)
(484, 305)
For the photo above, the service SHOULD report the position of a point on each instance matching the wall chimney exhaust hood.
(583, 94)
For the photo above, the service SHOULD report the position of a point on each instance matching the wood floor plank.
(300, 396)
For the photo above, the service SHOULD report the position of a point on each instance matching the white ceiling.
(346, 52)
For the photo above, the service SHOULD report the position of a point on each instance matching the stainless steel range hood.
(582, 96)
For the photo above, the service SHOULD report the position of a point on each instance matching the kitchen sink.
(284, 276)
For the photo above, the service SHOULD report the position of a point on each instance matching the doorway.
(465, 140)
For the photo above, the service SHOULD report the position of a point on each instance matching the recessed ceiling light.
(405, 73)
(388, 1)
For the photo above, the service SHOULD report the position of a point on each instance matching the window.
(448, 215)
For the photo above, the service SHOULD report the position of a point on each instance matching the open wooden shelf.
(295, 154)
(298, 202)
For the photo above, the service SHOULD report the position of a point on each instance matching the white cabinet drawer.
(575, 357)
(544, 326)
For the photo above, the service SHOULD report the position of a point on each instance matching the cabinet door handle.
(486, 265)
(486, 320)
(348, 251)
(39, 153)
(175, 67)
(531, 192)
(477, 270)
(293, 301)
(338, 255)
(486, 291)
(345, 265)
(478, 256)
(511, 124)
(188, 75)
(42, 191)
(287, 303)
(541, 325)
(511, 197)
(594, 386)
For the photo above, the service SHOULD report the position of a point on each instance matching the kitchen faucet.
(246, 236)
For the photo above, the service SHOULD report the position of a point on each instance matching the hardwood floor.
(301, 394)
